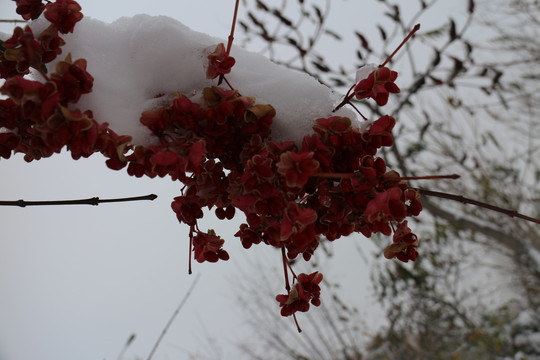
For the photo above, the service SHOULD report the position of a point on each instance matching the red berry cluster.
(37, 116)
(23, 50)
(305, 290)
(330, 186)
(219, 62)
(378, 85)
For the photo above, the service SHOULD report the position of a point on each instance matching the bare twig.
(464, 200)
(396, 178)
(411, 33)
(12, 21)
(169, 323)
(126, 346)
(90, 201)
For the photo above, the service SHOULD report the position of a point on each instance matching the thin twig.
(126, 346)
(12, 21)
(411, 33)
(464, 200)
(90, 201)
(169, 323)
(231, 35)
(230, 41)
(285, 262)
(397, 178)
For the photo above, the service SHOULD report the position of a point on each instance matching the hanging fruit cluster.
(292, 196)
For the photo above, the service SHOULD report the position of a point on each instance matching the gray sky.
(77, 281)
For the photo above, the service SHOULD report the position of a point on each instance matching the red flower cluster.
(207, 247)
(37, 115)
(29, 9)
(306, 290)
(39, 119)
(23, 50)
(219, 62)
(64, 14)
(377, 86)
(220, 151)
(330, 186)
(404, 246)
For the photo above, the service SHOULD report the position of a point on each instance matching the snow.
(364, 71)
(527, 320)
(526, 329)
(134, 59)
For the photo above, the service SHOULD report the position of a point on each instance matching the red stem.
(230, 41)
(292, 271)
(231, 36)
(411, 33)
(296, 322)
(285, 263)
(190, 247)
(226, 81)
(358, 111)
(346, 100)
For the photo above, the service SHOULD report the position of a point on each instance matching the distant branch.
(171, 320)
(90, 201)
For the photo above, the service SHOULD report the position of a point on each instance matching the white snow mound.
(134, 59)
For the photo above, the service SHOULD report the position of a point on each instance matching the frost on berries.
(219, 147)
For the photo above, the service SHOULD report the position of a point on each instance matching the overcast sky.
(76, 282)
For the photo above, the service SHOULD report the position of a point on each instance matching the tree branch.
(90, 201)
(464, 200)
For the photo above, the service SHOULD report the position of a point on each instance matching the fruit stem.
(411, 33)
(231, 36)
(296, 322)
(190, 248)
(285, 263)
